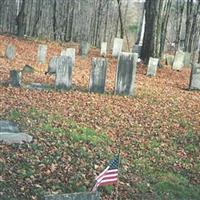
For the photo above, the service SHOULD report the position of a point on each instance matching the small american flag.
(109, 176)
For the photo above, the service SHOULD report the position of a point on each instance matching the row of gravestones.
(176, 61)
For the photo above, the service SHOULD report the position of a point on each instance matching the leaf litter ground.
(75, 132)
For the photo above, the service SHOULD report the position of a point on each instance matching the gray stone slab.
(84, 48)
(75, 196)
(195, 77)
(169, 59)
(8, 126)
(10, 52)
(53, 63)
(152, 66)
(28, 69)
(103, 48)
(187, 60)
(71, 52)
(12, 138)
(98, 75)
(64, 73)
(126, 72)
(178, 60)
(42, 53)
(15, 78)
(137, 49)
(38, 86)
(117, 47)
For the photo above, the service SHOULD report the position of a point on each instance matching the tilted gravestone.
(103, 48)
(178, 60)
(10, 133)
(187, 59)
(84, 48)
(117, 47)
(195, 77)
(15, 78)
(10, 52)
(152, 66)
(53, 63)
(71, 52)
(42, 53)
(98, 75)
(126, 72)
(64, 73)
(75, 196)
(137, 49)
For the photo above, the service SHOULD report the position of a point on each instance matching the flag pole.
(117, 186)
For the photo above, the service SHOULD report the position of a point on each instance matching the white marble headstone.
(117, 47)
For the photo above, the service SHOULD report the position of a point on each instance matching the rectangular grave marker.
(98, 75)
(10, 52)
(53, 63)
(178, 60)
(117, 47)
(71, 52)
(152, 66)
(42, 53)
(126, 72)
(103, 48)
(75, 196)
(84, 48)
(195, 77)
(15, 78)
(64, 73)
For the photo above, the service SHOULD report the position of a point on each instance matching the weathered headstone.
(38, 86)
(178, 60)
(126, 72)
(117, 47)
(15, 78)
(152, 66)
(52, 65)
(84, 48)
(71, 52)
(28, 69)
(10, 52)
(187, 59)
(11, 138)
(169, 59)
(195, 77)
(8, 126)
(42, 53)
(64, 73)
(103, 48)
(98, 75)
(75, 196)
(137, 49)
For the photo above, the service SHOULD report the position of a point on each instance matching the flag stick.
(117, 186)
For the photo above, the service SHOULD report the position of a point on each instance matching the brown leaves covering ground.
(163, 108)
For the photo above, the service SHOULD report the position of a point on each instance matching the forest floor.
(75, 133)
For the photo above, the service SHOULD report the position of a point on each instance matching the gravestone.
(75, 196)
(195, 77)
(187, 59)
(137, 49)
(98, 75)
(103, 48)
(152, 66)
(38, 86)
(71, 52)
(8, 126)
(117, 47)
(53, 63)
(178, 60)
(15, 78)
(10, 133)
(42, 53)
(10, 52)
(28, 69)
(84, 48)
(169, 59)
(126, 72)
(64, 73)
